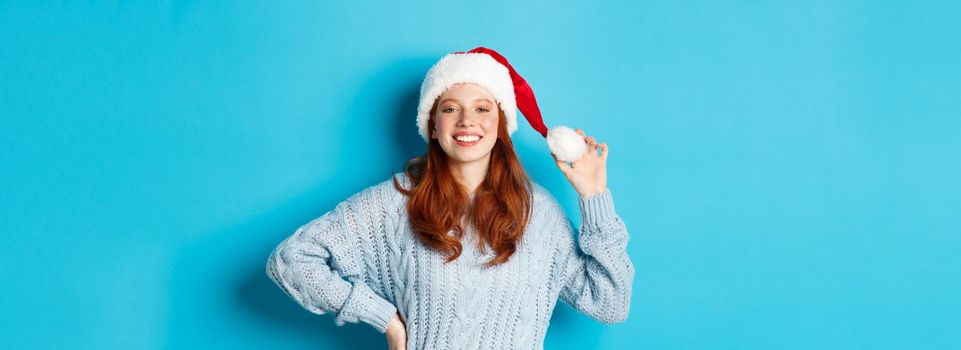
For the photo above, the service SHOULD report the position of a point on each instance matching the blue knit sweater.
(362, 262)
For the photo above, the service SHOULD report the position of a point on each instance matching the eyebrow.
(476, 99)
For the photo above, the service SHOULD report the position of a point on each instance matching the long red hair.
(437, 203)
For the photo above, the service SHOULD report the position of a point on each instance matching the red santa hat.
(487, 68)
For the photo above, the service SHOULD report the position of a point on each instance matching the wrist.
(591, 192)
(395, 328)
(597, 209)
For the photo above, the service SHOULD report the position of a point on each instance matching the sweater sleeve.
(598, 275)
(321, 266)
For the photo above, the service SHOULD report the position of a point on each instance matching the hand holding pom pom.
(588, 170)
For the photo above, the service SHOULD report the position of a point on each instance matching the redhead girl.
(462, 249)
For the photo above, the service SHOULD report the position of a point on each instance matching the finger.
(579, 132)
(561, 164)
(591, 145)
(564, 167)
(604, 152)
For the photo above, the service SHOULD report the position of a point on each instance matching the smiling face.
(465, 123)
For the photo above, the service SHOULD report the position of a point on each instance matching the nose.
(466, 119)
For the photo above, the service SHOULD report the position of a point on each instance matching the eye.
(484, 109)
(449, 109)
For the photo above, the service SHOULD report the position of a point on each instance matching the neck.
(470, 174)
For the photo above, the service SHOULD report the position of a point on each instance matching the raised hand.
(588, 173)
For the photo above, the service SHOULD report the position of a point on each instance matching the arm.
(598, 275)
(309, 266)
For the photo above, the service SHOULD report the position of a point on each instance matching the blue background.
(790, 173)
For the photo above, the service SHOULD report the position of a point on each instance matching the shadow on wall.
(268, 302)
(386, 108)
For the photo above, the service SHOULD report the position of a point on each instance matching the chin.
(466, 156)
(470, 159)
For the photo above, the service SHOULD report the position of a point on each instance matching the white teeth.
(469, 138)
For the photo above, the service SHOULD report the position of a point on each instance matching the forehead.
(466, 92)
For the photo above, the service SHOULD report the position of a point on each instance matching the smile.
(467, 140)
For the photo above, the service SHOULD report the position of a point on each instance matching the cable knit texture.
(362, 262)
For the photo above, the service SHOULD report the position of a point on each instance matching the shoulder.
(377, 208)
(378, 201)
(546, 208)
(542, 198)
(384, 190)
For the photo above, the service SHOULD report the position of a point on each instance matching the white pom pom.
(566, 143)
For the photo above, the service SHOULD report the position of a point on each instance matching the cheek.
(491, 125)
(491, 128)
(442, 125)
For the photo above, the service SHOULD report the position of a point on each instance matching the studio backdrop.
(789, 172)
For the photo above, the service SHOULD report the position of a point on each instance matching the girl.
(462, 249)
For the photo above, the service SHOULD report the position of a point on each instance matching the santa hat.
(487, 68)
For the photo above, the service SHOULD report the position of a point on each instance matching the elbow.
(619, 318)
(270, 267)
(616, 315)
(612, 308)
(614, 320)
(607, 305)
(618, 306)
(274, 270)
